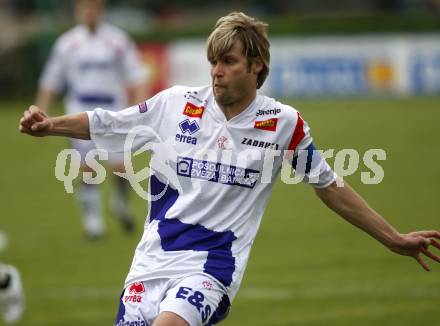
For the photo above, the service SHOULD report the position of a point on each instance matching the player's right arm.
(36, 122)
(45, 98)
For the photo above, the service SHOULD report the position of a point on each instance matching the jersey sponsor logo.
(273, 111)
(217, 172)
(269, 125)
(193, 96)
(189, 127)
(259, 143)
(193, 111)
(186, 139)
(143, 107)
(95, 65)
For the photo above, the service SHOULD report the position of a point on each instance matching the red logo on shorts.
(136, 288)
(207, 285)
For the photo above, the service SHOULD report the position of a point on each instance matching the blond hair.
(251, 32)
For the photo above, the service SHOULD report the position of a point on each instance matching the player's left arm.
(135, 71)
(354, 209)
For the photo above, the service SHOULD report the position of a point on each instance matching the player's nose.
(217, 70)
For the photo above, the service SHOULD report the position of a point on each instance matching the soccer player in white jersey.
(211, 149)
(97, 64)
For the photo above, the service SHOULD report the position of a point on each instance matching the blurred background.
(346, 47)
(364, 74)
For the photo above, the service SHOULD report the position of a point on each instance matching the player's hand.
(35, 122)
(415, 244)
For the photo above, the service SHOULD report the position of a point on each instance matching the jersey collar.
(245, 115)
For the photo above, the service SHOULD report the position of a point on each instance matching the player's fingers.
(33, 108)
(28, 117)
(27, 114)
(435, 243)
(40, 125)
(429, 234)
(37, 115)
(24, 129)
(422, 263)
(24, 122)
(431, 255)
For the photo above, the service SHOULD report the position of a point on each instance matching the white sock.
(90, 199)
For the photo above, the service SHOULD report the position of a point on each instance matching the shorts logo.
(189, 127)
(134, 292)
(136, 288)
(143, 107)
(197, 299)
(269, 125)
(193, 111)
(207, 285)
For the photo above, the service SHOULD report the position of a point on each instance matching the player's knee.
(117, 167)
(167, 318)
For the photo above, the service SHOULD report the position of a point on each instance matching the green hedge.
(310, 25)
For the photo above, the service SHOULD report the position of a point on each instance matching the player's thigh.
(198, 299)
(139, 303)
(167, 318)
(116, 162)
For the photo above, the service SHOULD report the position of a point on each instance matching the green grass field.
(308, 266)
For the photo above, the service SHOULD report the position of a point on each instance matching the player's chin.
(222, 98)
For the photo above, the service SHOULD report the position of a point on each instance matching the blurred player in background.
(191, 259)
(11, 290)
(11, 294)
(98, 65)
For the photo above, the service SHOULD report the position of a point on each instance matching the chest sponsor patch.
(269, 125)
(217, 172)
(193, 111)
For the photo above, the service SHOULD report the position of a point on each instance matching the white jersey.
(94, 67)
(207, 220)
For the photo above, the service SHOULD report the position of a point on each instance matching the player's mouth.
(219, 86)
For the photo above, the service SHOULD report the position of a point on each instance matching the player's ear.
(257, 66)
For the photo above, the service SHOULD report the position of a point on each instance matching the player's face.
(89, 12)
(233, 79)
